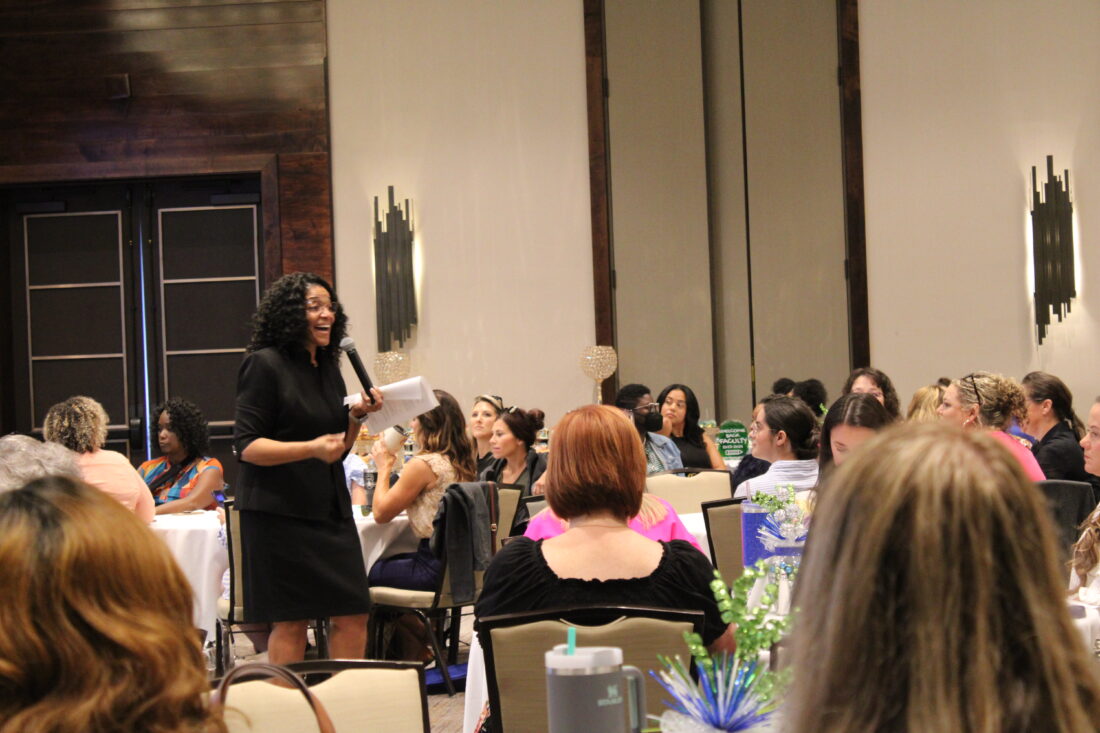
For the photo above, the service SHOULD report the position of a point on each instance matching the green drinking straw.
(570, 641)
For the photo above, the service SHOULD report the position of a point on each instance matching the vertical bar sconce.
(394, 288)
(1052, 247)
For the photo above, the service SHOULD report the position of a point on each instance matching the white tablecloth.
(376, 538)
(193, 540)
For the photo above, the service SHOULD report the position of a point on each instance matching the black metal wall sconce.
(1052, 247)
(394, 286)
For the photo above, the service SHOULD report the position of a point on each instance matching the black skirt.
(299, 569)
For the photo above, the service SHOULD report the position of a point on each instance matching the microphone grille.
(347, 343)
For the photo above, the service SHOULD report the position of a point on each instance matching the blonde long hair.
(931, 599)
(96, 618)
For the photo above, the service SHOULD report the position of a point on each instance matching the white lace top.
(422, 511)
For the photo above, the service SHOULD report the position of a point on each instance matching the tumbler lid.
(585, 657)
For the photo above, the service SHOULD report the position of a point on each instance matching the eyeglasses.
(316, 306)
(648, 407)
(974, 384)
(495, 400)
(757, 427)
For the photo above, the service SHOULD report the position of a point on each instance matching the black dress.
(301, 553)
(1061, 457)
(692, 455)
(518, 579)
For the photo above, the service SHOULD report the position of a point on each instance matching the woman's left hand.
(365, 406)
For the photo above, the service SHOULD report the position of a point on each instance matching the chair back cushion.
(519, 669)
(686, 495)
(723, 522)
(507, 503)
(356, 699)
(1070, 503)
(233, 609)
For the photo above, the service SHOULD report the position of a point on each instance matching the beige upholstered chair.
(534, 504)
(231, 610)
(508, 499)
(723, 522)
(358, 696)
(431, 606)
(687, 494)
(514, 645)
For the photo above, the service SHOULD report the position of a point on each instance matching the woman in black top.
(596, 478)
(680, 410)
(1057, 430)
(301, 553)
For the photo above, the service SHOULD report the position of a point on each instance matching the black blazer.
(1061, 457)
(282, 396)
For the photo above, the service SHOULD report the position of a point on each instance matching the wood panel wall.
(108, 89)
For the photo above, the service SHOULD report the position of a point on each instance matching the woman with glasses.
(487, 409)
(868, 380)
(636, 402)
(984, 401)
(302, 556)
(784, 432)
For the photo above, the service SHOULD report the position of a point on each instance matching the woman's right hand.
(383, 459)
(328, 448)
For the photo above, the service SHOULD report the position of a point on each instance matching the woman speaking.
(302, 558)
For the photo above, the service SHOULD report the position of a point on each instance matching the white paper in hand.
(401, 402)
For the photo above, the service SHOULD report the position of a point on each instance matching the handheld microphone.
(347, 344)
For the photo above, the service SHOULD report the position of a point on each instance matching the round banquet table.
(195, 542)
(193, 538)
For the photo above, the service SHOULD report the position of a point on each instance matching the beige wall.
(659, 195)
(960, 100)
(475, 111)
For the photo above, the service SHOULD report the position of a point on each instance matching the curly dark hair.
(280, 319)
(186, 420)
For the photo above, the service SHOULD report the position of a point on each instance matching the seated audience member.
(515, 460)
(446, 455)
(990, 402)
(925, 403)
(80, 424)
(661, 454)
(596, 480)
(656, 520)
(1086, 553)
(783, 385)
(868, 380)
(1050, 419)
(487, 409)
(812, 392)
(851, 421)
(97, 619)
(680, 413)
(748, 467)
(931, 600)
(355, 470)
(184, 478)
(785, 433)
(24, 459)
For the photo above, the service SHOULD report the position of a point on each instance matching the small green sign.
(733, 440)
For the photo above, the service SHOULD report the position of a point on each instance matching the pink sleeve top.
(546, 524)
(111, 473)
(1025, 457)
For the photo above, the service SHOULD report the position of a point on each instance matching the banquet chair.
(508, 499)
(1070, 503)
(432, 607)
(357, 695)
(687, 494)
(514, 645)
(534, 504)
(231, 611)
(723, 522)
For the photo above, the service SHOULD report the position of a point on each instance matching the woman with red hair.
(595, 481)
